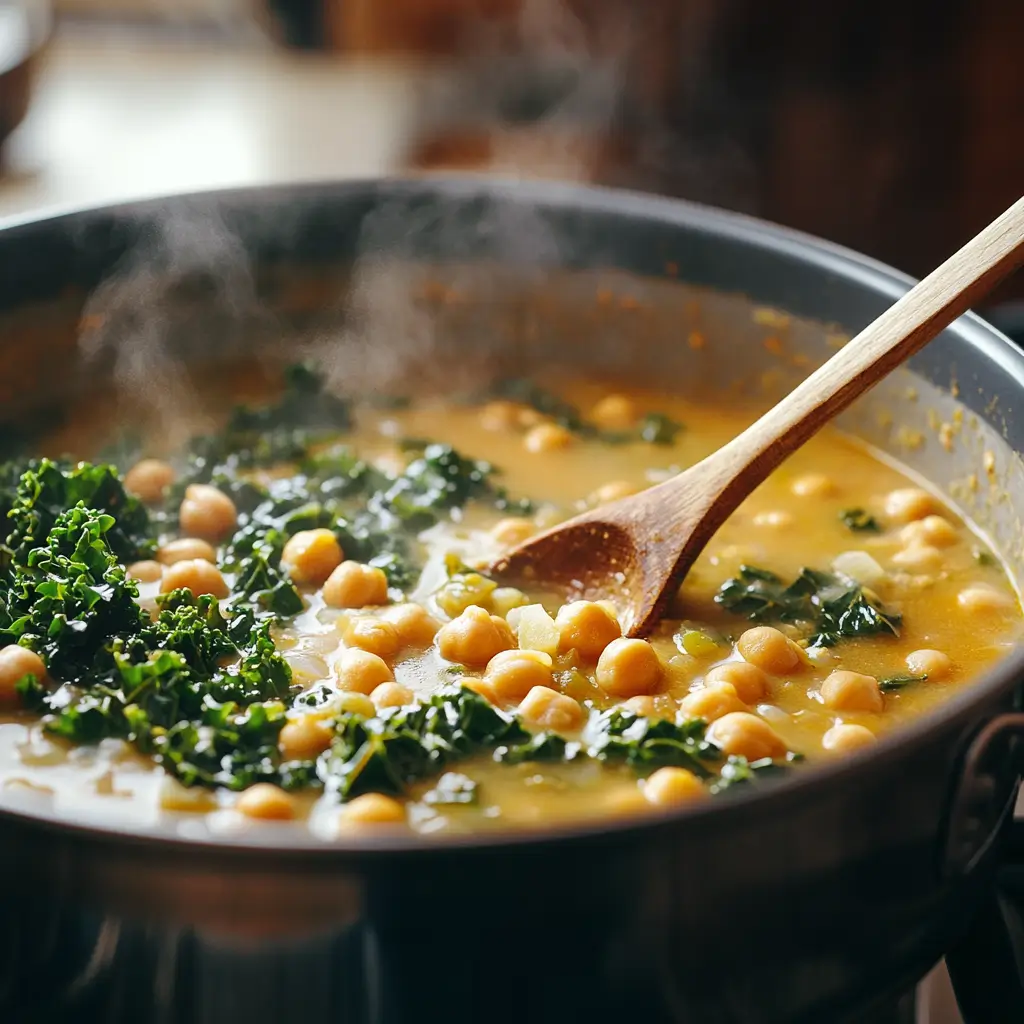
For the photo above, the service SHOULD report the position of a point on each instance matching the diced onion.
(537, 630)
(859, 566)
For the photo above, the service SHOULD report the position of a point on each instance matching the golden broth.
(953, 596)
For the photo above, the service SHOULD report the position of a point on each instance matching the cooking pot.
(794, 902)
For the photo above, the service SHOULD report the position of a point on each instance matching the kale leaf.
(834, 607)
(898, 682)
(859, 521)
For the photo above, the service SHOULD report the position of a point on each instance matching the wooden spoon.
(636, 551)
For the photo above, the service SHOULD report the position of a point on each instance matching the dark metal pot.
(795, 903)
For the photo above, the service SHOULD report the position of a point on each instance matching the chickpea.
(851, 691)
(614, 412)
(149, 479)
(267, 802)
(746, 735)
(670, 786)
(373, 635)
(845, 737)
(775, 519)
(311, 556)
(813, 485)
(197, 575)
(16, 662)
(186, 549)
(347, 702)
(769, 649)
(391, 695)
(513, 674)
(353, 585)
(474, 637)
(614, 490)
(628, 668)
(512, 531)
(643, 706)
(550, 709)
(146, 571)
(983, 600)
(711, 702)
(372, 809)
(547, 437)
(930, 663)
(478, 686)
(500, 416)
(360, 671)
(749, 682)
(416, 627)
(909, 503)
(207, 513)
(919, 558)
(304, 738)
(587, 628)
(932, 530)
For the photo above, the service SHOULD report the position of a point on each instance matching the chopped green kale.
(859, 521)
(832, 607)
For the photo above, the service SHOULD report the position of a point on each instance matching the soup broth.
(292, 621)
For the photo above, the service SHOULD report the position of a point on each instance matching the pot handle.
(986, 965)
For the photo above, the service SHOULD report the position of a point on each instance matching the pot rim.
(288, 843)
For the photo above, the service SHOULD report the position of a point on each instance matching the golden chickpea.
(845, 737)
(478, 686)
(851, 691)
(391, 695)
(746, 735)
(587, 628)
(749, 682)
(936, 531)
(711, 702)
(813, 485)
(512, 674)
(983, 600)
(198, 576)
(547, 437)
(614, 412)
(146, 571)
(267, 802)
(353, 585)
(186, 549)
(643, 706)
(500, 416)
(769, 649)
(549, 709)
(372, 809)
(373, 635)
(628, 668)
(16, 662)
(207, 513)
(774, 519)
(474, 637)
(149, 479)
(920, 558)
(512, 531)
(933, 664)
(360, 671)
(304, 738)
(668, 787)
(347, 702)
(311, 556)
(614, 490)
(909, 503)
(416, 627)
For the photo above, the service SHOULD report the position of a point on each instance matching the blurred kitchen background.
(893, 126)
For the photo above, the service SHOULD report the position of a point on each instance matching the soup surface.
(290, 620)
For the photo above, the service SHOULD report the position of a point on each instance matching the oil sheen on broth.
(841, 600)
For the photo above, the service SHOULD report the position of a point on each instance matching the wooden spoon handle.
(908, 325)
